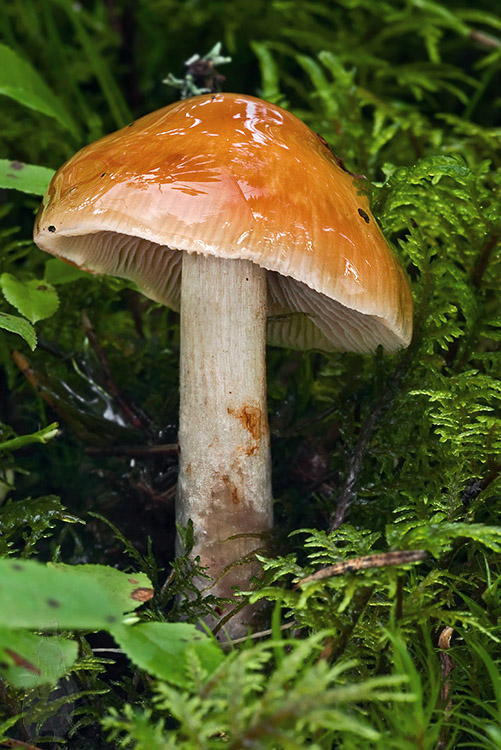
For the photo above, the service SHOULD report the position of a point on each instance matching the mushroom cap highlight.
(233, 176)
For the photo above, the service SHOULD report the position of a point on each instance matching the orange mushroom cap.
(236, 177)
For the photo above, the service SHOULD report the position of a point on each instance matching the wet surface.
(234, 176)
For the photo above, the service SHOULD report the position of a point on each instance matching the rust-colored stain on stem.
(251, 419)
(231, 488)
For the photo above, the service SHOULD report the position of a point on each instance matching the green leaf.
(35, 299)
(163, 649)
(28, 660)
(29, 178)
(59, 272)
(42, 436)
(20, 81)
(14, 324)
(33, 595)
(127, 591)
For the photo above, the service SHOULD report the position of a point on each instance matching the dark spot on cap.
(132, 580)
(41, 288)
(111, 618)
(51, 228)
(364, 215)
(142, 594)
(16, 165)
(71, 189)
(17, 566)
(53, 603)
(103, 175)
(213, 98)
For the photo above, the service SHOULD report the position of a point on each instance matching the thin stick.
(33, 378)
(254, 636)
(485, 39)
(447, 665)
(354, 564)
(8, 742)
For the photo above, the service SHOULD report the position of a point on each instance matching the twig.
(157, 497)
(231, 613)
(444, 642)
(485, 39)
(33, 377)
(56, 351)
(8, 742)
(133, 450)
(261, 634)
(447, 665)
(353, 564)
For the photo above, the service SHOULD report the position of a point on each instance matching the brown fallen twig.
(156, 497)
(8, 742)
(33, 378)
(447, 665)
(444, 642)
(484, 39)
(255, 636)
(354, 564)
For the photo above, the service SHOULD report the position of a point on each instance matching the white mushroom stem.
(224, 475)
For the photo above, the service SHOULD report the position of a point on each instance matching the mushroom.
(233, 211)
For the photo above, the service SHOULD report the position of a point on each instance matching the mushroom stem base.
(224, 475)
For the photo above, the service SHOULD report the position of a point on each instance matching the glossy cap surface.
(236, 177)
